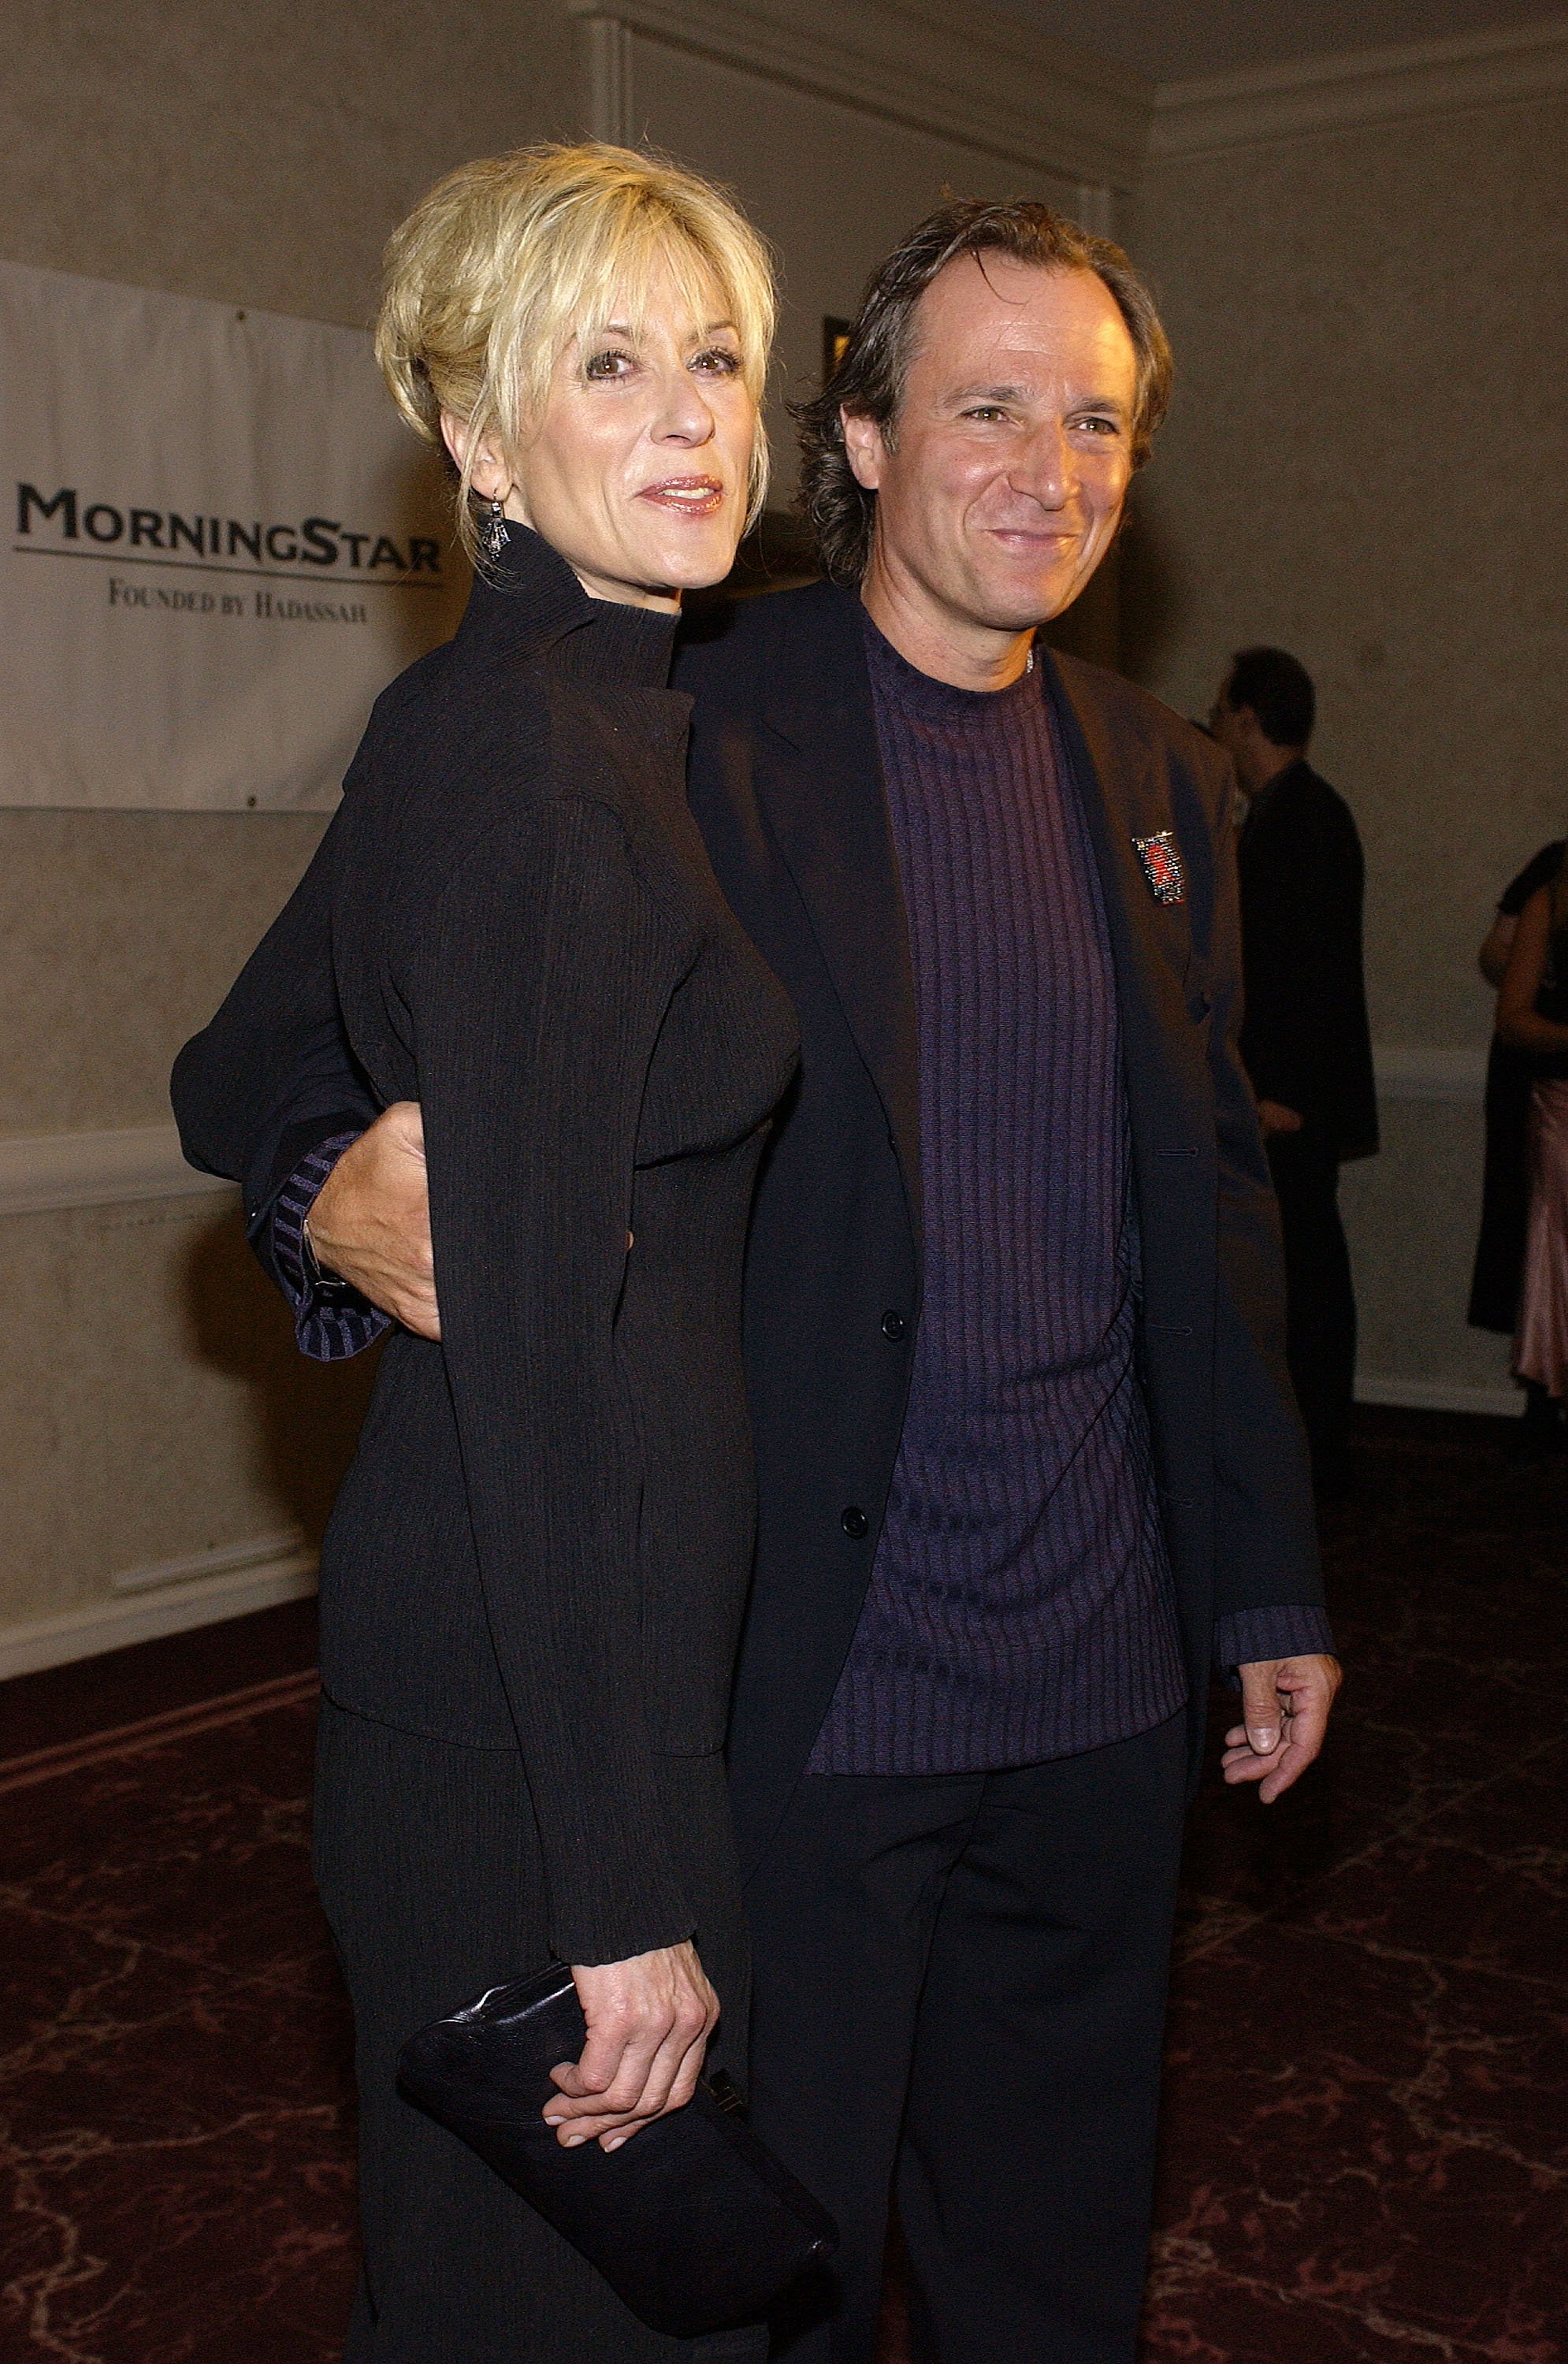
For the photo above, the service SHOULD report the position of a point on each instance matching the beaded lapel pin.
(1162, 860)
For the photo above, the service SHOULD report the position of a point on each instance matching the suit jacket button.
(893, 1326)
(855, 1524)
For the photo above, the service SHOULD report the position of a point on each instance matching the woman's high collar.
(526, 600)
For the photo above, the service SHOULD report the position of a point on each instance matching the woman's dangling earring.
(492, 532)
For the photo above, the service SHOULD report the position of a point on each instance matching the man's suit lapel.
(819, 778)
(1124, 799)
(820, 781)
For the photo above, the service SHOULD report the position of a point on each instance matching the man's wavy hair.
(869, 380)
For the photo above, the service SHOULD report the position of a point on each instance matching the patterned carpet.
(1366, 2130)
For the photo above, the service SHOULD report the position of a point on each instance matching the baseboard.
(1439, 1395)
(144, 1615)
(147, 1607)
(263, 1551)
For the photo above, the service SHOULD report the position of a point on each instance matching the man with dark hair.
(870, 379)
(1305, 1042)
(1275, 689)
(1026, 1464)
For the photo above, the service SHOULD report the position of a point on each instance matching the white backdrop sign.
(222, 543)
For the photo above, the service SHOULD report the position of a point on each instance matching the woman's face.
(637, 470)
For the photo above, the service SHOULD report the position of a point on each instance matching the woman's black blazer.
(544, 1540)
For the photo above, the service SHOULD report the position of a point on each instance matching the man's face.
(1002, 486)
(1224, 721)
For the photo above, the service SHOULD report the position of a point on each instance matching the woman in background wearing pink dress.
(1532, 1015)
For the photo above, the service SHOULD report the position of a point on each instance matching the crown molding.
(1360, 86)
(967, 74)
(963, 72)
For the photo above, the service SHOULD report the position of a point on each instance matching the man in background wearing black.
(1305, 1040)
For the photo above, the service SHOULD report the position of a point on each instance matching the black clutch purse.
(692, 2222)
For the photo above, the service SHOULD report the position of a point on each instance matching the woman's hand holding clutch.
(648, 2023)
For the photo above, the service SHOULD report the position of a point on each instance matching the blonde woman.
(532, 1584)
(1532, 1016)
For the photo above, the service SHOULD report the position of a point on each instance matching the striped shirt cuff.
(328, 1326)
(1249, 1636)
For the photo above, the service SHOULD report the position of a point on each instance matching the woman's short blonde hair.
(507, 258)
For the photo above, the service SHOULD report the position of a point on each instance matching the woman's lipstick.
(696, 496)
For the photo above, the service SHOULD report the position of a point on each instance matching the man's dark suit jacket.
(1306, 1040)
(786, 784)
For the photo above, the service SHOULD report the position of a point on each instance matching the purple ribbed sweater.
(1020, 1604)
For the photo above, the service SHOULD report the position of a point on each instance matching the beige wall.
(1365, 463)
(119, 932)
(150, 1406)
(257, 150)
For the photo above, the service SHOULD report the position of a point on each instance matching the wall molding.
(39, 1172)
(1454, 1074)
(1438, 1395)
(963, 72)
(42, 1172)
(1357, 86)
(155, 1609)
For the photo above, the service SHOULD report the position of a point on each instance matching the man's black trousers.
(1320, 1305)
(959, 1999)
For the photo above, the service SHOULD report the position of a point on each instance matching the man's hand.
(1275, 1117)
(649, 2022)
(370, 1222)
(1285, 1702)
